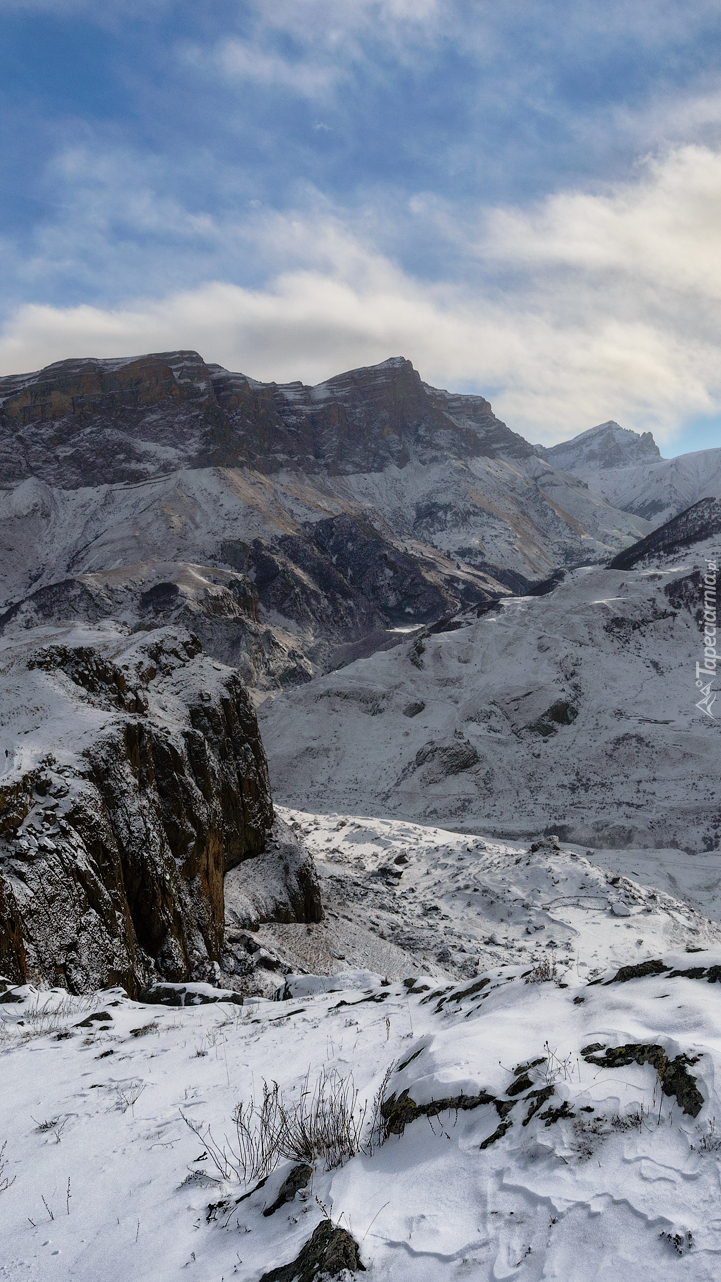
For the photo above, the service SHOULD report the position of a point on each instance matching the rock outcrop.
(137, 780)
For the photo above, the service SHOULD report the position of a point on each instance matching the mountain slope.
(572, 713)
(329, 515)
(659, 491)
(695, 525)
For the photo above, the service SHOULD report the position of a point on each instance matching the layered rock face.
(135, 780)
(95, 422)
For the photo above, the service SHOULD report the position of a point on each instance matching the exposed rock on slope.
(697, 523)
(135, 780)
(159, 413)
(114, 472)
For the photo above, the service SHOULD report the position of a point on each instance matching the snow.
(461, 939)
(660, 490)
(109, 1181)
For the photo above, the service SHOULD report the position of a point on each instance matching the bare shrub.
(45, 1016)
(126, 1097)
(545, 971)
(709, 1138)
(52, 1125)
(378, 1130)
(588, 1132)
(553, 1067)
(323, 1124)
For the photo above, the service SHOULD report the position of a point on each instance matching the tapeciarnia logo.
(706, 673)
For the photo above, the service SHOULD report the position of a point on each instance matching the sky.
(522, 198)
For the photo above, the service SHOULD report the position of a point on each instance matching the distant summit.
(606, 446)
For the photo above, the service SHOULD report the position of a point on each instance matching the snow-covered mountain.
(572, 712)
(347, 1038)
(607, 446)
(658, 491)
(293, 526)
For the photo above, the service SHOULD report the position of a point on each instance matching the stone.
(328, 1252)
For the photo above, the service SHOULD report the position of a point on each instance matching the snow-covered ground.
(400, 895)
(593, 1172)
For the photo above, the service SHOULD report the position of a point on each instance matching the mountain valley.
(360, 894)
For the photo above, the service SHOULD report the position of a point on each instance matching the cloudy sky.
(521, 196)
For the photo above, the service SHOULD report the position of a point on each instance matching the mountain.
(292, 527)
(607, 446)
(99, 422)
(573, 713)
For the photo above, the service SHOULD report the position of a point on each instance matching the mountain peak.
(604, 446)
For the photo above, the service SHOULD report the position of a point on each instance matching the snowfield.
(454, 1010)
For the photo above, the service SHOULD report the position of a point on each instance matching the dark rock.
(673, 1074)
(131, 889)
(537, 1099)
(397, 1113)
(439, 760)
(95, 1017)
(497, 1134)
(328, 1252)
(560, 713)
(412, 709)
(188, 995)
(297, 1179)
(522, 1083)
(639, 971)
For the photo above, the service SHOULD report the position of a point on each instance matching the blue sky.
(522, 198)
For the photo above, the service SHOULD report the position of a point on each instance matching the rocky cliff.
(94, 422)
(135, 779)
(607, 446)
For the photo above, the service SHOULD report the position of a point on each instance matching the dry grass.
(323, 1124)
(5, 1180)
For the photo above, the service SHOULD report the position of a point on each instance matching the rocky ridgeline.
(94, 422)
(143, 783)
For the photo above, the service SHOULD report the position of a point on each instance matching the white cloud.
(584, 308)
(239, 60)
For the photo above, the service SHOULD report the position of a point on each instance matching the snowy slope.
(660, 490)
(571, 713)
(559, 1162)
(522, 516)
